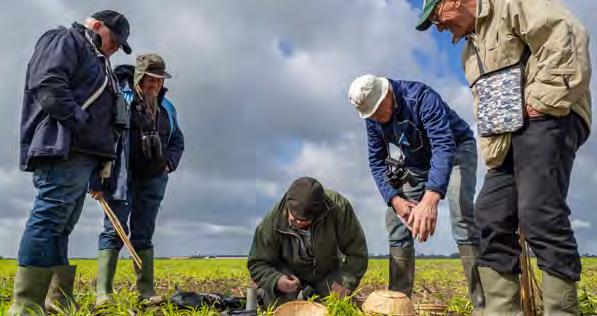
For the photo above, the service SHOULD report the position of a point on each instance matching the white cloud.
(253, 118)
(580, 224)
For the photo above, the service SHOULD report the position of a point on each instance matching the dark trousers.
(529, 191)
(61, 187)
(140, 210)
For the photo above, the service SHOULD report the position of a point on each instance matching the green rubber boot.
(468, 257)
(107, 259)
(30, 288)
(60, 295)
(145, 275)
(559, 296)
(402, 270)
(502, 295)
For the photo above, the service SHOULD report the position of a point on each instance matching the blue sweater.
(425, 129)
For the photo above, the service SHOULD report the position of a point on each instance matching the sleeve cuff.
(391, 195)
(437, 190)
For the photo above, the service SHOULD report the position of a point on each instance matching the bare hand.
(423, 217)
(167, 169)
(340, 290)
(403, 209)
(96, 195)
(288, 284)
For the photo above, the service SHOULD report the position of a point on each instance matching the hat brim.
(385, 84)
(163, 75)
(126, 48)
(122, 41)
(423, 24)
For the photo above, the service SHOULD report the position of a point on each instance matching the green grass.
(437, 281)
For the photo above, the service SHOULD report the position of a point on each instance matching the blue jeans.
(140, 210)
(61, 187)
(461, 193)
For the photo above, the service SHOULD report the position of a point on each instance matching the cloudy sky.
(260, 87)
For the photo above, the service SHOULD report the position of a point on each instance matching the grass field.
(437, 281)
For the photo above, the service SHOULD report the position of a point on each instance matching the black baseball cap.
(118, 25)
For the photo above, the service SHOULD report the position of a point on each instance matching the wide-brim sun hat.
(367, 92)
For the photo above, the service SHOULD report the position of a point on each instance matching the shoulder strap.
(108, 76)
(95, 95)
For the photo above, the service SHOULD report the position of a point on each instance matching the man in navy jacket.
(436, 156)
(67, 131)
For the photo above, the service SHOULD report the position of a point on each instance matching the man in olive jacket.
(313, 238)
(529, 169)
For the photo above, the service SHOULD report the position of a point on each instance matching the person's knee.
(142, 244)
(465, 236)
(110, 242)
(407, 242)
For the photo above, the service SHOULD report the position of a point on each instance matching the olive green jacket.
(339, 247)
(558, 71)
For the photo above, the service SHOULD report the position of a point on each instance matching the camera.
(397, 174)
(151, 145)
(121, 113)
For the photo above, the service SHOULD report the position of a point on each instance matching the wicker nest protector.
(301, 308)
(385, 302)
(425, 309)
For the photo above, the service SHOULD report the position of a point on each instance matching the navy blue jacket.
(425, 129)
(63, 72)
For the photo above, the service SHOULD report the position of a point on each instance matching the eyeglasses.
(436, 18)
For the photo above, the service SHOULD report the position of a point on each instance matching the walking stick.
(120, 231)
(530, 292)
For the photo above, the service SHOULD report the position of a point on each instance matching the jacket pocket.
(51, 138)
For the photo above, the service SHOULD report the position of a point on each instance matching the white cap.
(366, 93)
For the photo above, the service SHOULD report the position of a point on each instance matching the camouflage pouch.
(501, 98)
(500, 95)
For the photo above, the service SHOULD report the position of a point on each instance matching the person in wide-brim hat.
(150, 150)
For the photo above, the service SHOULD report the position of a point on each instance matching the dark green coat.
(339, 247)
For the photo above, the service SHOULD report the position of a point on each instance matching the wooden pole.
(530, 294)
(120, 231)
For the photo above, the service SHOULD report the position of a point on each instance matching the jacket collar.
(483, 9)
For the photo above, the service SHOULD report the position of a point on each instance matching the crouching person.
(147, 154)
(313, 238)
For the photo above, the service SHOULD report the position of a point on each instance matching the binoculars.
(151, 145)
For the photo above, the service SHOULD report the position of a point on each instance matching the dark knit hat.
(305, 198)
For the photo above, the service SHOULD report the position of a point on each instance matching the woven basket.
(385, 302)
(301, 308)
(424, 309)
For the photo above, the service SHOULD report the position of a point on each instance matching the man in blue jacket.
(437, 156)
(148, 152)
(67, 131)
